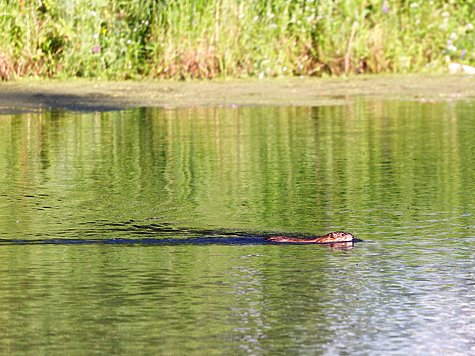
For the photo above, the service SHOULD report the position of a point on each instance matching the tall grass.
(231, 38)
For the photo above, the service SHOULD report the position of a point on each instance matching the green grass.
(186, 39)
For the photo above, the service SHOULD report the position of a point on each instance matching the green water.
(140, 232)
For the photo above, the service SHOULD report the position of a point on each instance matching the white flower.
(256, 18)
(453, 35)
(129, 42)
(271, 16)
(93, 13)
(447, 59)
(445, 14)
(414, 4)
(240, 16)
(135, 29)
(95, 36)
(261, 75)
(470, 26)
(284, 69)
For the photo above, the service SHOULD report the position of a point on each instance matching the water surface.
(142, 231)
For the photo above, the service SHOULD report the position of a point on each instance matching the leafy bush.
(220, 38)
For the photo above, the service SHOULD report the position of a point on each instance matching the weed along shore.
(184, 39)
(90, 95)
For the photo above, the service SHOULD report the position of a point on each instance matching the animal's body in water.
(332, 237)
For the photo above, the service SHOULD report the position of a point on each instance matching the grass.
(187, 39)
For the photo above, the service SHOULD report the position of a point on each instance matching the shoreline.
(32, 95)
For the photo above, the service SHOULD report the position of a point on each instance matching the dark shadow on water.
(157, 233)
(145, 241)
(36, 101)
(177, 241)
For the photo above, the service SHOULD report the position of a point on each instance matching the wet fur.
(337, 236)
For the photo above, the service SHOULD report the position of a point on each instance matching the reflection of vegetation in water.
(302, 169)
(205, 39)
(122, 298)
(299, 169)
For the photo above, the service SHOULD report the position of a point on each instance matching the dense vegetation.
(231, 38)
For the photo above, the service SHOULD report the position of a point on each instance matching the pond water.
(142, 231)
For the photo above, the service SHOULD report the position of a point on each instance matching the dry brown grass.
(11, 67)
(200, 63)
(6, 68)
(310, 65)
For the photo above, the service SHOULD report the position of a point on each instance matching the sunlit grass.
(230, 38)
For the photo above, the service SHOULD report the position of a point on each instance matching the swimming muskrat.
(337, 236)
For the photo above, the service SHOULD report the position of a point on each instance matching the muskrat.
(337, 236)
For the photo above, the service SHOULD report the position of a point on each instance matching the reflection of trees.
(300, 169)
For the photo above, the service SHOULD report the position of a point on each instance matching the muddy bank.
(87, 95)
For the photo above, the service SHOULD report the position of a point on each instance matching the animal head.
(341, 236)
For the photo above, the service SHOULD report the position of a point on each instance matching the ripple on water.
(97, 212)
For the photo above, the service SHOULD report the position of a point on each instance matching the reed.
(188, 39)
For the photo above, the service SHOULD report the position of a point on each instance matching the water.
(142, 231)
